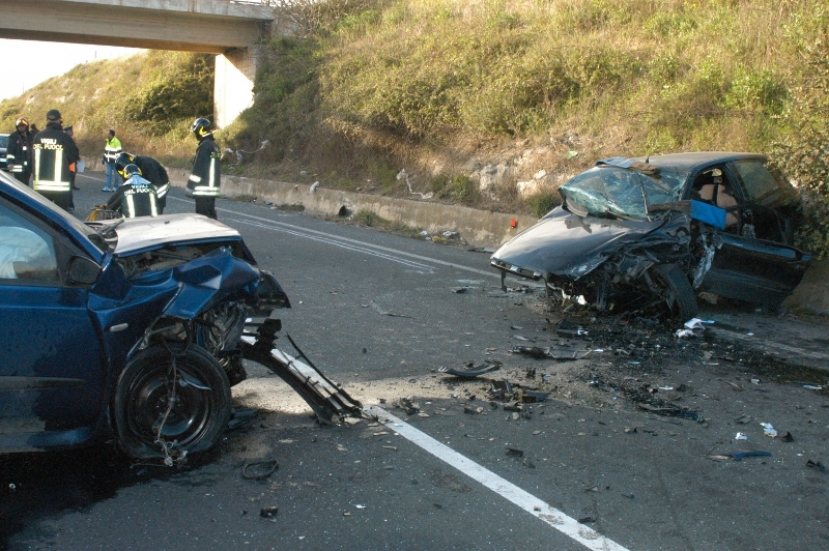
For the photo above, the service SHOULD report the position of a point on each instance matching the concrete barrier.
(478, 228)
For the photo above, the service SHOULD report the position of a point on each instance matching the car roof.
(687, 162)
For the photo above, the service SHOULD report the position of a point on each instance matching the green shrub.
(542, 203)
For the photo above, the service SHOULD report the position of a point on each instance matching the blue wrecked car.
(133, 331)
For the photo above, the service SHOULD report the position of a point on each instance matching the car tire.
(678, 293)
(199, 413)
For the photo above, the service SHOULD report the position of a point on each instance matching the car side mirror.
(83, 271)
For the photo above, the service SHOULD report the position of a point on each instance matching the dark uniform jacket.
(135, 197)
(53, 152)
(155, 172)
(205, 179)
(19, 153)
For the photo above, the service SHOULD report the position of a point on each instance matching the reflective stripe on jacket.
(112, 149)
(54, 151)
(205, 180)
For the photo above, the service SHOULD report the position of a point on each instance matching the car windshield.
(620, 193)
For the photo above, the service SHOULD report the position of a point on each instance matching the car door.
(754, 259)
(52, 375)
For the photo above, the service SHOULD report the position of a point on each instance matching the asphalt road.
(585, 469)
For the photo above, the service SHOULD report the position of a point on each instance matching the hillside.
(150, 99)
(494, 103)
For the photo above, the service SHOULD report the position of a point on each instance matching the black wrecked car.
(634, 234)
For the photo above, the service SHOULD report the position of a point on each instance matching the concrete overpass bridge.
(230, 29)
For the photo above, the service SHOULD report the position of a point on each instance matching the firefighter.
(151, 170)
(203, 184)
(53, 152)
(19, 151)
(135, 197)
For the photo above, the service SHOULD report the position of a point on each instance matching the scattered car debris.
(694, 327)
(738, 456)
(472, 371)
(268, 512)
(259, 470)
(587, 520)
(515, 452)
(768, 430)
(556, 353)
(816, 465)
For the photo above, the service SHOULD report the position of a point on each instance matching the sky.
(47, 60)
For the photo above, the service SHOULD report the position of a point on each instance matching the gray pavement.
(591, 467)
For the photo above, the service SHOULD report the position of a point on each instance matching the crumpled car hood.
(567, 245)
(146, 233)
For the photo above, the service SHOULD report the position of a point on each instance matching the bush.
(542, 203)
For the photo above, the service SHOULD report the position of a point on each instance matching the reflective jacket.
(135, 197)
(205, 180)
(112, 149)
(53, 151)
(19, 152)
(155, 172)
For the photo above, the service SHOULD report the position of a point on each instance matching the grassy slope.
(362, 88)
(149, 99)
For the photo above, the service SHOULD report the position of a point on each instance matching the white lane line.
(568, 526)
(354, 241)
(329, 241)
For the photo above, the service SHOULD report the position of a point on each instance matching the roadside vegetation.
(352, 91)
(149, 99)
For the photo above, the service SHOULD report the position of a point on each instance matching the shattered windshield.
(619, 192)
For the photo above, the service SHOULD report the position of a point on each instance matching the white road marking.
(328, 240)
(337, 238)
(568, 526)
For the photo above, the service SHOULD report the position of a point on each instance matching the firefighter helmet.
(53, 115)
(201, 128)
(122, 160)
(21, 120)
(130, 170)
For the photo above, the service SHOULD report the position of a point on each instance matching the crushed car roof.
(145, 232)
(684, 162)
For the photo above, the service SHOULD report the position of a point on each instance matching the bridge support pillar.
(233, 88)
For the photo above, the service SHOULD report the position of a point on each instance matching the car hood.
(567, 245)
(145, 233)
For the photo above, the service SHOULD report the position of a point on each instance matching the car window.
(26, 251)
(620, 192)
(757, 181)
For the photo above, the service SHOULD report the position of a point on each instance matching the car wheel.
(677, 291)
(170, 402)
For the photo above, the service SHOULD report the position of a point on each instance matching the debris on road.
(268, 512)
(738, 456)
(472, 370)
(816, 465)
(259, 470)
(556, 353)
